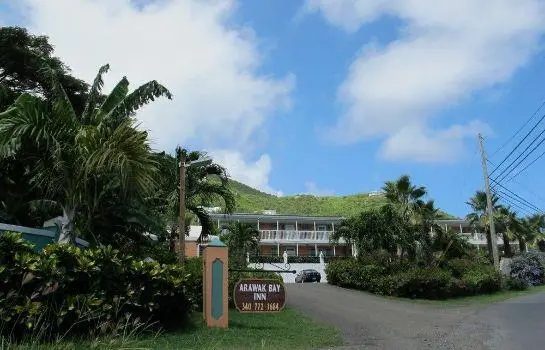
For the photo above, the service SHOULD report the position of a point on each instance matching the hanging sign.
(259, 295)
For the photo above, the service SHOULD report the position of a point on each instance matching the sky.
(325, 97)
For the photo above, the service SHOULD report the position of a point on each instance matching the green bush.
(459, 266)
(303, 259)
(482, 280)
(193, 267)
(516, 284)
(67, 291)
(266, 259)
(329, 258)
(427, 283)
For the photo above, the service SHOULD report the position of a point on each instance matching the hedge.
(398, 279)
(64, 291)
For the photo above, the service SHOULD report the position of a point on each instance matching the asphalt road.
(367, 321)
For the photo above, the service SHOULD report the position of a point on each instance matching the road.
(368, 321)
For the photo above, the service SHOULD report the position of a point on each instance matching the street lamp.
(181, 236)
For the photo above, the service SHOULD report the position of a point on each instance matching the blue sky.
(318, 96)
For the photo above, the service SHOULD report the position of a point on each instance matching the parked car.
(308, 276)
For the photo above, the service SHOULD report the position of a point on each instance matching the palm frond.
(116, 97)
(94, 93)
(138, 98)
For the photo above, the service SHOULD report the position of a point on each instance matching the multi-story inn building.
(308, 235)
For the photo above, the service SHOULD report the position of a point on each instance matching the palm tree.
(102, 145)
(479, 216)
(531, 230)
(242, 239)
(508, 223)
(204, 185)
(404, 195)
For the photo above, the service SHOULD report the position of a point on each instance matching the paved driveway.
(371, 322)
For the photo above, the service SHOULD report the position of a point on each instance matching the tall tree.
(241, 239)
(404, 196)
(101, 145)
(479, 216)
(22, 59)
(508, 224)
(205, 184)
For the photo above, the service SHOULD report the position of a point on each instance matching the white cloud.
(445, 51)
(254, 174)
(313, 189)
(190, 46)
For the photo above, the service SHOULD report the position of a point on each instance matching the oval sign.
(259, 295)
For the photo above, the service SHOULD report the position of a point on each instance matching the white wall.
(290, 277)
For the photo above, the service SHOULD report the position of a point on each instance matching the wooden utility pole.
(490, 209)
(181, 226)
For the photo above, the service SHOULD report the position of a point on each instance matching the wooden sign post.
(259, 295)
(215, 285)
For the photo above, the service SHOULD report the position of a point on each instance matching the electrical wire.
(520, 155)
(526, 167)
(519, 198)
(519, 130)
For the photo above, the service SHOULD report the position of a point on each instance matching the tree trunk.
(67, 234)
(506, 245)
(522, 245)
(489, 245)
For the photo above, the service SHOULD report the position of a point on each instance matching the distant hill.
(250, 200)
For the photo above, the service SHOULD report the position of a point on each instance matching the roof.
(266, 217)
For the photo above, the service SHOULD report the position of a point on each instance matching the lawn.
(285, 330)
(479, 299)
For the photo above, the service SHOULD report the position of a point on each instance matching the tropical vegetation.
(402, 252)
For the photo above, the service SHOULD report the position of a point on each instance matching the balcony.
(281, 236)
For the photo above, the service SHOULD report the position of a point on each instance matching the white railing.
(291, 235)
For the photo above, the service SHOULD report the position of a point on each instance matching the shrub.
(428, 283)
(303, 259)
(67, 291)
(266, 259)
(481, 280)
(510, 283)
(459, 266)
(329, 258)
(529, 268)
(193, 267)
(343, 272)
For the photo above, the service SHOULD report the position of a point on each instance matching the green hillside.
(250, 200)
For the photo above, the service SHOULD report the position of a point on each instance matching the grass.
(479, 299)
(284, 330)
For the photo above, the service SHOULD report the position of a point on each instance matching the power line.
(518, 145)
(526, 167)
(530, 192)
(523, 159)
(513, 198)
(519, 198)
(523, 210)
(519, 130)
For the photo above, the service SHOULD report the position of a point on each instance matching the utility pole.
(181, 226)
(490, 209)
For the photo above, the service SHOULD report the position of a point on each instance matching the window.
(289, 227)
(321, 228)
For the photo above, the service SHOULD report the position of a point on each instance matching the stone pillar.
(215, 284)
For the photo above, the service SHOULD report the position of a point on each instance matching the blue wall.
(40, 237)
